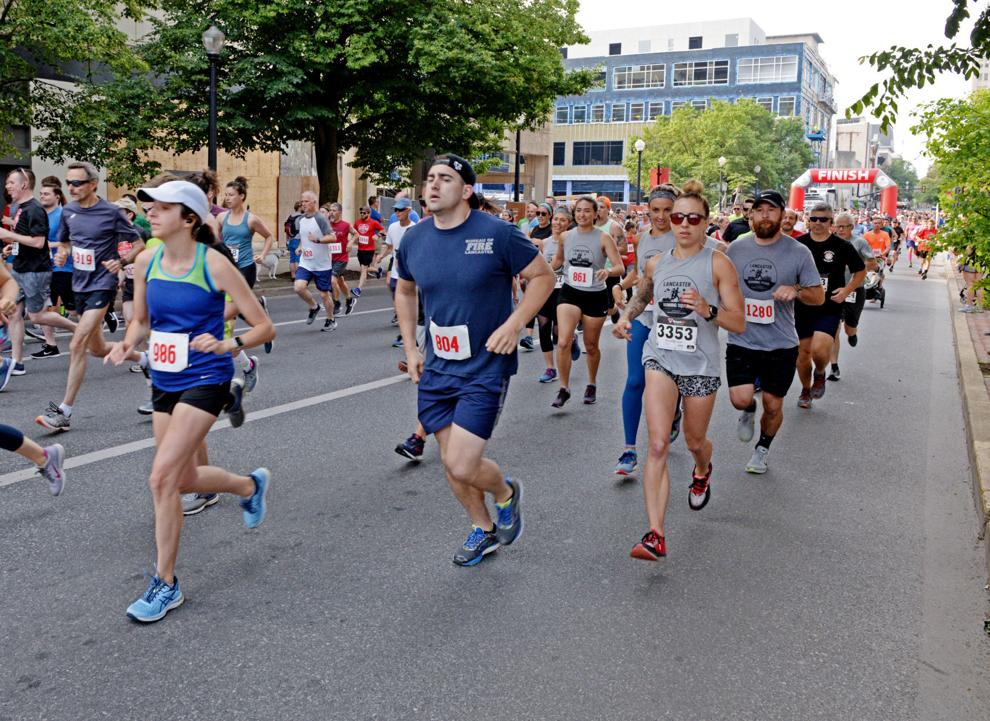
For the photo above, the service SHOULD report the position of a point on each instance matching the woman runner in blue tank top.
(179, 290)
(237, 228)
(696, 291)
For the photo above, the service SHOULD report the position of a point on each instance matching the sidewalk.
(973, 356)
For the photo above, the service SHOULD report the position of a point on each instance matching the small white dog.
(270, 262)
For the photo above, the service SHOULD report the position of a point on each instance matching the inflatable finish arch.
(874, 176)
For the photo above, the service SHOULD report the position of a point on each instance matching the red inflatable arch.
(875, 176)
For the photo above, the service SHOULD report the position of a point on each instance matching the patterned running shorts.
(694, 386)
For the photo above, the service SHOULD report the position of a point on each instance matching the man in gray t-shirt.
(852, 308)
(774, 270)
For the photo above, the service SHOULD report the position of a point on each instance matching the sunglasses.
(692, 218)
(77, 183)
(820, 219)
(543, 214)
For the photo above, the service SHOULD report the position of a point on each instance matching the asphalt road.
(844, 584)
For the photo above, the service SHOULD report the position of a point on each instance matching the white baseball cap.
(179, 191)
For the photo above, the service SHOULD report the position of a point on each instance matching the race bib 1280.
(759, 311)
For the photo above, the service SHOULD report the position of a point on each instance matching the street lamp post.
(756, 171)
(213, 40)
(721, 183)
(640, 147)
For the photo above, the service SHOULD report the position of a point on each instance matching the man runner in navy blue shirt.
(462, 261)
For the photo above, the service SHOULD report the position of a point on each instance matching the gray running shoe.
(509, 525)
(52, 470)
(746, 426)
(146, 408)
(54, 419)
(251, 376)
(758, 463)
(6, 371)
(193, 503)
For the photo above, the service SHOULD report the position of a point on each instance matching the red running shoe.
(701, 490)
(653, 547)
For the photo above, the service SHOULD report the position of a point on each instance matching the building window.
(694, 43)
(598, 152)
(700, 104)
(597, 114)
(559, 188)
(644, 46)
(614, 189)
(766, 103)
(580, 114)
(637, 77)
(785, 105)
(618, 113)
(654, 110)
(703, 72)
(599, 82)
(563, 115)
(615, 48)
(767, 70)
(732, 40)
(677, 105)
(563, 53)
(558, 153)
(636, 112)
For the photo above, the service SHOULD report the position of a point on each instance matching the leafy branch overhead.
(388, 78)
(909, 68)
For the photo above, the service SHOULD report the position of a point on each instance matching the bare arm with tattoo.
(637, 304)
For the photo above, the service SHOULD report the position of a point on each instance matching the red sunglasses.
(692, 218)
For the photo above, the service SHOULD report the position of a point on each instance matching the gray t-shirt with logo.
(762, 269)
(864, 250)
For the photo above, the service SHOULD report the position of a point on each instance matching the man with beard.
(818, 323)
(774, 270)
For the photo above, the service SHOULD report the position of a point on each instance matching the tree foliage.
(908, 68)
(690, 143)
(44, 41)
(903, 173)
(391, 79)
(958, 133)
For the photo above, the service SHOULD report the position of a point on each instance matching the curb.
(976, 412)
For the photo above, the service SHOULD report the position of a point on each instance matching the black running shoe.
(111, 320)
(313, 312)
(853, 340)
(349, 306)
(47, 351)
(590, 394)
(235, 409)
(563, 395)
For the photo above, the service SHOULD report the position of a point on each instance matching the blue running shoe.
(549, 375)
(6, 370)
(159, 599)
(627, 463)
(356, 292)
(575, 349)
(397, 343)
(256, 505)
(509, 525)
(478, 545)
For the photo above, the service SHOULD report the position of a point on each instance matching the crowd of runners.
(472, 284)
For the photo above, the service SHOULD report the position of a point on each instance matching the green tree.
(47, 43)
(690, 143)
(389, 78)
(958, 139)
(928, 187)
(908, 68)
(903, 173)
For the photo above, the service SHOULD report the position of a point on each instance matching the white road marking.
(86, 459)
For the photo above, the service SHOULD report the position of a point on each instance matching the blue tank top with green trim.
(191, 305)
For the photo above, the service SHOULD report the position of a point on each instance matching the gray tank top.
(680, 340)
(549, 251)
(647, 247)
(583, 257)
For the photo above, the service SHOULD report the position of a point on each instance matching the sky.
(849, 28)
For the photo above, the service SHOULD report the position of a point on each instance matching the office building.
(649, 72)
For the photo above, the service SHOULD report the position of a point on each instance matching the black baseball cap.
(463, 168)
(770, 196)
